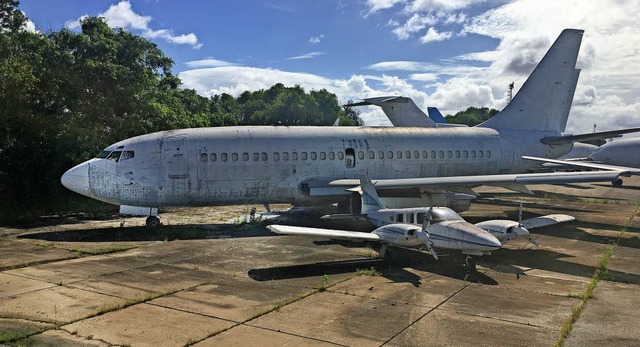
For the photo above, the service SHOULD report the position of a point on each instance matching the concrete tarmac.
(208, 279)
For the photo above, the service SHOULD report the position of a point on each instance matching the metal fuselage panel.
(217, 166)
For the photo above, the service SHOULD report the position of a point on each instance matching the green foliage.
(472, 116)
(64, 96)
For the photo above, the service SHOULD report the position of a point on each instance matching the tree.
(472, 116)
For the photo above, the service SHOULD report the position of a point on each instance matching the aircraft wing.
(622, 170)
(328, 233)
(499, 180)
(558, 140)
(547, 220)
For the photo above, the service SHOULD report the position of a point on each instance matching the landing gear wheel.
(470, 264)
(153, 221)
(617, 183)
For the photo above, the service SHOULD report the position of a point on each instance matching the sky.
(450, 54)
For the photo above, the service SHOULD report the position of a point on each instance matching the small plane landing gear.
(152, 221)
(617, 183)
(470, 263)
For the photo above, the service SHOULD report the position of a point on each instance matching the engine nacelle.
(503, 230)
(404, 235)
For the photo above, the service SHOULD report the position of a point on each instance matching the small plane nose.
(77, 179)
(490, 241)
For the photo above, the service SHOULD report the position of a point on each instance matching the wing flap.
(329, 233)
(589, 165)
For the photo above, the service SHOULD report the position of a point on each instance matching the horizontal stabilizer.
(328, 233)
(621, 170)
(558, 140)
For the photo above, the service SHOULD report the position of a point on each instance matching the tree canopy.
(65, 95)
(472, 116)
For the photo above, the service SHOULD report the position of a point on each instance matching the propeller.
(425, 225)
(521, 231)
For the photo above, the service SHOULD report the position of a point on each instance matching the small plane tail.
(370, 199)
(544, 101)
(435, 115)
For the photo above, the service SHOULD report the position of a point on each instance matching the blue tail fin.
(435, 115)
(370, 199)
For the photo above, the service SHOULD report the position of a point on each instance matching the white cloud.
(377, 5)
(316, 39)
(209, 62)
(433, 36)
(309, 55)
(122, 15)
(413, 25)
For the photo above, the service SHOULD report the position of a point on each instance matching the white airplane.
(413, 166)
(441, 228)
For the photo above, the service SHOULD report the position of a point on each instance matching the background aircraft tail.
(401, 111)
(544, 101)
(435, 115)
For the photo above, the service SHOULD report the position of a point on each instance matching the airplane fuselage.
(267, 164)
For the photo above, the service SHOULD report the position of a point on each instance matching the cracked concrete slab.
(243, 335)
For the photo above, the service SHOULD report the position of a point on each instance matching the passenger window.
(381, 155)
(340, 155)
(264, 156)
(361, 155)
(441, 154)
(285, 156)
(410, 218)
(425, 155)
(245, 156)
(115, 155)
(488, 153)
(465, 154)
(203, 157)
(323, 156)
(416, 154)
(304, 155)
(407, 154)
(314, 156)
(449, 154)
(256, 156)
(129, 154)
(294, 155)
(399, 218)
(399, 154)
(224, 156)
(433, 154)
(276, 156)
(457, 154)
(332, 155)
(213, 157)
(480, 154)
(372, 155)
(420, 217)
(473, 154)
(390, 155)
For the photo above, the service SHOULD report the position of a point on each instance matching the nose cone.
(476, 238)
(77, 179)
(488, 240)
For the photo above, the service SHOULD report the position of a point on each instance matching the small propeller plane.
(441, 227)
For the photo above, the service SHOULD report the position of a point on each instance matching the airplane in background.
(441, 228)
(403, 112)
(412, 166)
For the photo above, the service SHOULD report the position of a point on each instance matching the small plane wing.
(547, 220)
(622, 170)
(517, 179)
(329, 233)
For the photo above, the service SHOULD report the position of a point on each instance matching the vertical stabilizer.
(544, 100)
(401, 111)
(435, 115)
(370, 199)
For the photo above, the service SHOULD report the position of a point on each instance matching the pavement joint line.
(495, 318)
(293, 334)
(393, 302)
(277, 308)
(598, 275)
(85, 337)
(467, 284)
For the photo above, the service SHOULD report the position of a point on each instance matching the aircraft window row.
(285, 156)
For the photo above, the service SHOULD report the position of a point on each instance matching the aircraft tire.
(152, 221)
(617, 183)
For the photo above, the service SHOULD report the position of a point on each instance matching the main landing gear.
(152, 221)
(470, 263)
(617, 183)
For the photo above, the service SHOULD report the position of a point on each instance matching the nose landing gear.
(470, 263)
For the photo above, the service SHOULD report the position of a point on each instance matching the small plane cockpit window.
(439, 215)
(411, 232)
(400, 218)
(103, 154)
(420, 217)
(115, 156)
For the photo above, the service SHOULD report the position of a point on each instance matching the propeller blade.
(520, 215)
(431, 250)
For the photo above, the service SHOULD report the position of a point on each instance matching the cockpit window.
(129, 154)
(115, 155)
(103, 154)
(439, 215)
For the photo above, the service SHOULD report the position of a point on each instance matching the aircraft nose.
(77, 179)
(490, 241)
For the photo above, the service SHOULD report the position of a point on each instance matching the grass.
(99, 251)
(368, 272)
(599, 274)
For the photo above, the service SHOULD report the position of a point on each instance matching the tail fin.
(401, 111)
(544, 100)
(435, 115)
(370, 199)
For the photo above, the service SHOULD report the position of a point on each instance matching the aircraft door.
(175, 157)
(506, 157)
(349, 158)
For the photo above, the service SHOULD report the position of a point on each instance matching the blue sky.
(445, 53)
